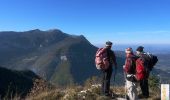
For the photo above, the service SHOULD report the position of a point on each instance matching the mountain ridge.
(52, 54)
(42, 52)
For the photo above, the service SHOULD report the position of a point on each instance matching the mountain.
(14, 82)
(56, 56)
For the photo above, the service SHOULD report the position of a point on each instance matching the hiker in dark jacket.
(130, 71)
(144, 82)
(106, 74)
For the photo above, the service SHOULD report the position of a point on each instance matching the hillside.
(89, 91)
(14, 82)
(51, 54)
(25, 85)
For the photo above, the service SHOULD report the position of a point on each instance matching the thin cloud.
(144, 32)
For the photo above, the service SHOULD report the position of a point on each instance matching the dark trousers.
(144, 87)
(106, 76)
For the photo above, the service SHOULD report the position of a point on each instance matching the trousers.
(131, 88)
(144, 87)
(106, 76)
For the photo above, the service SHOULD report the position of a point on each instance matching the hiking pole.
(115, 72)
(125, 83)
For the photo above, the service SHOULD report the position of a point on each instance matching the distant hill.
(14, 82)
(152, 48)
(58, 57)
(163, 67)
(164, 61)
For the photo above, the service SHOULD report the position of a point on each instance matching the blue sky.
(120, 21)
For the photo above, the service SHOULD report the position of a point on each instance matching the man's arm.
(113, 60)
(113, 57)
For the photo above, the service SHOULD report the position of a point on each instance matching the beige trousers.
(131, 89)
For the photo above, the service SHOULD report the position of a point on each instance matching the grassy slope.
(86, 93)
(62, 75)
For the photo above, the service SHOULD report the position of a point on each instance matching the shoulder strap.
(100, 51)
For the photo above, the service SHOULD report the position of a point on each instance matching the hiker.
(142, 68)
(130, 71)
(105, 58)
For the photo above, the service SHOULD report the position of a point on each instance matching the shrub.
(154, 82)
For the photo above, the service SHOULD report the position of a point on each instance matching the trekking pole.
(125, 83)
(115, 72)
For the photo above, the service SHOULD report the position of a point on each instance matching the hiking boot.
(107, 94)
(145, 96)
(142, 96)
(127, 97)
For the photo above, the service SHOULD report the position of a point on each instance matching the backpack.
(151, 59)
(131, 69)
(144, 65)
(101, 59)
(141, 71)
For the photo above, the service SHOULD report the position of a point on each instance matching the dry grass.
(42, 91)
(83, 93)
(47, 95)
(38, 87)
(154, 92)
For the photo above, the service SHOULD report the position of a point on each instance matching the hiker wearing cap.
(142, 71)
(130, 71)
(107, 73)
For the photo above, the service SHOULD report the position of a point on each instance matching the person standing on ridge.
(142, 68)
(130, 71)
(106, 58)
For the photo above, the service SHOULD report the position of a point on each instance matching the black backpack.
(151, 60)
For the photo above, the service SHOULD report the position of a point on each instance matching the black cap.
(108, 43)
(140, 49)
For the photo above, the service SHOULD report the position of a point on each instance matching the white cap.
(129, 50)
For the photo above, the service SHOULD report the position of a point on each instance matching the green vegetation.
(154, 82)
(62, 76)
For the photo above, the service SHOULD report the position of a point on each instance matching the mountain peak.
(50, 30)
(54, 30)
(35, 30)
(82, 36)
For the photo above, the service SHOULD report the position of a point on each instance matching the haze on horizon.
(120, 21)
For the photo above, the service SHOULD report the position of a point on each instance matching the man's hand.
(123, 66)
